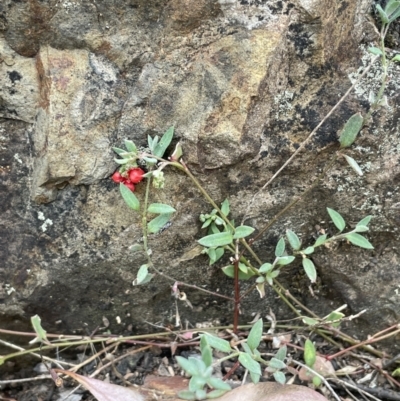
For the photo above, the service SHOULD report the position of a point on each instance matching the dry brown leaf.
(104, 391)
(272, 392)
(321, 366)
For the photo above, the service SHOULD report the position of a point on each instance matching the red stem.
(237, 298)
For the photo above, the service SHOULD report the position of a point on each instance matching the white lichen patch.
(17, 158)
(46, 224)
(251, 15)
(284, 102)
(369, 86)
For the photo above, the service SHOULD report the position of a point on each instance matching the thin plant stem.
(146, 249)
(313, 132)
(320, 377)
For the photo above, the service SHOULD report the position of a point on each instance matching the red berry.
(129, 185)
(135, 175)
(117, 177)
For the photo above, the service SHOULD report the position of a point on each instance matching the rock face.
(243, 83)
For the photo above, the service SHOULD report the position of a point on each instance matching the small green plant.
(248, 355)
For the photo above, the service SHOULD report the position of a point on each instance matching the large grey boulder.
(243, 83)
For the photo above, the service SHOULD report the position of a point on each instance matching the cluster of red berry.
(129, 178)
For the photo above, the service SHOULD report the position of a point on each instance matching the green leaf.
(247, 349)
(293, 239)
(150, 160)
(155, 225)
(351, 129)
(365, 221)
(136, 248)
(392, 10)
(285, 260)
(275, 363)
(130, 146)
(177, 153)
(206, 352)
(218, 343)
(121, 161)
(382, 14)
(119, 151)
(309, 268)
(320, 240)
(360, 229)
(201, 394)
(334, 316)
(375, 50)
(243, 231)
(260, 287)
(280, 248)
(142, 273)
(147, 279)
(40, 332)
(316, 381)
(160, 208)
(396, 373)
(279, 377)
(216, 240)
(271, 275)
(255, 335)
(187, 395)
(281, 354)
(189, 365)
(309, 250)
(255, 378)
(164, 142)
(230, 272)
(225, 207)
(129, 197)
(309, 321)
(396, 58)
(215, 382)
(359, 240)
(337, 219)
(243, 267)
(249, 363)
(266, 267)
(310, 355)
(354, 165)
(216, 394)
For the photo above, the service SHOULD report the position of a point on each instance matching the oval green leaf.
(218, 343)
(129, 197)
(225, 207)
(310, 355)
(320, 240)
(276, 364)
(164, 142)
(350, 130)
(130, 146)
(155, 225)
(285, 260)
(160, 208)
(249, 363)
(255, 335)
(365, 221)
(337, 219)
(359, 240)
(309, 268)
(242, 232)
(216, 240)
(354, 165)
(230, 272)
(266, 267)
(280, 248)
(293, 239)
